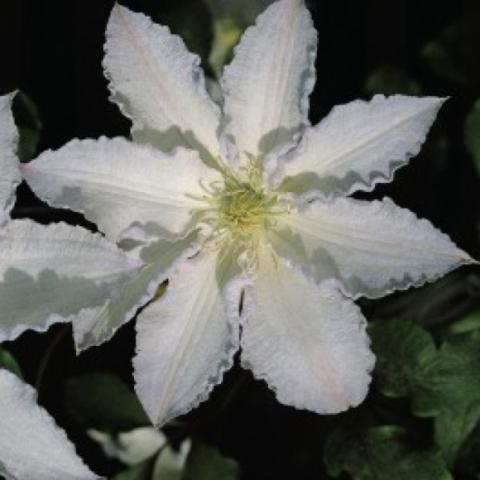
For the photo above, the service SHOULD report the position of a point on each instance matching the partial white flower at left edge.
(48, 274)
(32, 446)
(246, 210)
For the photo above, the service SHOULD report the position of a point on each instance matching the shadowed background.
(52, 51)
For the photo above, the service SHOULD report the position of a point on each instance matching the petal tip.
(470, 260)
(117, 13)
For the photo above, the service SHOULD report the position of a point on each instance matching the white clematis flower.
(29, 436)
(246, 207)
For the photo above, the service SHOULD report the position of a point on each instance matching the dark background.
(52, 50)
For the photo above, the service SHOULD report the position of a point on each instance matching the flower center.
(238, 209)
(242, 209)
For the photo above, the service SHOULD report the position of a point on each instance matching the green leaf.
(451, 392)
(227, 33)
(170, 464)
(102, 401)
(142, 471)
(380, 452)
(469, 323)
(402, 348)
(8, 362)
(442, 383)
(432, 305)
(29, 126)
(390, 80)
(206, 463)
(472, 133)
(230, 19)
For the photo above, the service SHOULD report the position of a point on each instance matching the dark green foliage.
(453, 54)
(391, 80)
(206, 463)
(103, 401)
(142, 471)
(442, 383)
(380, 453)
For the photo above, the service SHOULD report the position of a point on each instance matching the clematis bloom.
(245, 209)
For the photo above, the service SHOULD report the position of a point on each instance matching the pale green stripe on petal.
(32, 446)
(53, 273)
(373, 248)
(268, 83)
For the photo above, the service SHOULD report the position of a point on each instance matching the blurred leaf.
(29, 126)
(402, 349)
(451, 392)
(207, 463)
(442, 383)
(102, 401)
(380, 452)
(191, 19)
(467, 324)
(230, 19)
(468, 461)
(472, 133)
(390, 80)
(453, 54)
(170, 464)
(142, 471)
(227, 33)
(434, 304)
(8, 362)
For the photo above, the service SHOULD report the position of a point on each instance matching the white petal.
(372, 247)
(51, 273)
(268, 83)
(186, 339)
(161, 257)
(360, 144)
(309, 343)
(32, 446)
(9, 171)
(159, 84)
(115, 183)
